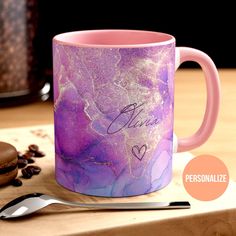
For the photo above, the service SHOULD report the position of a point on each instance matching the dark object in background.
(192, 23)
(211, 31)
(21, 79)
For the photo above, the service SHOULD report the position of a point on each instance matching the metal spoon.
(33, 202)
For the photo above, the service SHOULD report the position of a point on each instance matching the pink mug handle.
(213, 97)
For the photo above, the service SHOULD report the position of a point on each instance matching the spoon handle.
(122, 206)
(132, 205)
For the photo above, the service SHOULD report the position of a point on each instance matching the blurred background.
(27, 29)
(211, 30)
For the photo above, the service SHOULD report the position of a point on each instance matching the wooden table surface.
(189, 109)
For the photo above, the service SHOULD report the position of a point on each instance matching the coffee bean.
(30, 161)
(37, 170)
(22, 163)
(27, 155)
(33, 147)
(30, 169)
(34, 170)
(39, 154)
(26, 158)
(16, 182)
(20, 155)
(26, 174)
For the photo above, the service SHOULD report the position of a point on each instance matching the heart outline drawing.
(137, 151)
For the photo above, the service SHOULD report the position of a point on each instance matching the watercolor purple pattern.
(113, 119)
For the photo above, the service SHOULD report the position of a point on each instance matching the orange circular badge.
(205, 177)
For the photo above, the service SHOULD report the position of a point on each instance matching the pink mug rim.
(148, 38)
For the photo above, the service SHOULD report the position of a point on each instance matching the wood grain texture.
(205, 218)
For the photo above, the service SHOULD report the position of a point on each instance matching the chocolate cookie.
(8, 163)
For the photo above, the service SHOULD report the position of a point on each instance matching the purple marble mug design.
(113, 118)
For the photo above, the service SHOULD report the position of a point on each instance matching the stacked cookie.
(11, 161)
(8, 163)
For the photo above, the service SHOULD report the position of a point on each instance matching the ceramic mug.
(114, 107)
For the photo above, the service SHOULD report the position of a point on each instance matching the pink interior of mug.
(114, 38)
